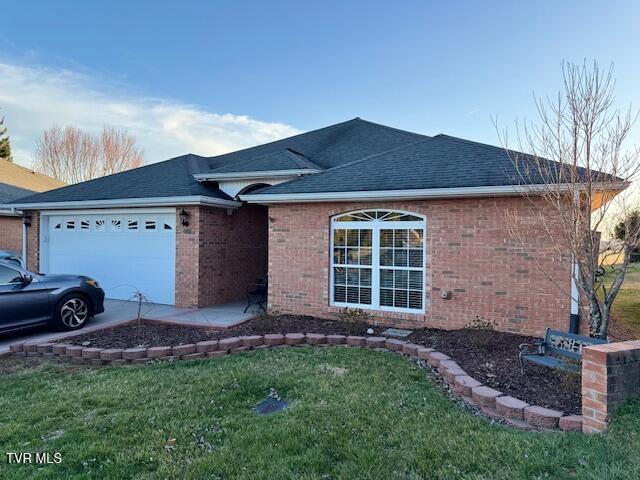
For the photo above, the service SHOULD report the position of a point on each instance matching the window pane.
(365, 296)
(339, 255)
(339, 276)
(352, 238)
(339, 294)
(415, 280)
(415, 258)
(353, 295)
(402, 279)
(400, 238)
(339, 238)
(353, 256)
(365, 256)
(365, 238)
(386, 238)
(400, 257)
(386, 278)
(400, 299)
(386, 257)
(386, 297)
(415, 299)
(365, 277)
(353, 276)
(415, 238)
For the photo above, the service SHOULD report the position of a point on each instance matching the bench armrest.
(535, 347)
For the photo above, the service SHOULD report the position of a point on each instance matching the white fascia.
(214, 177)
(414, 194)
(129, 202)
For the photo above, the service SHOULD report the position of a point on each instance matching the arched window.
(378, 260)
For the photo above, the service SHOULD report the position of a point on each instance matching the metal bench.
(558, 349)
(257, 294)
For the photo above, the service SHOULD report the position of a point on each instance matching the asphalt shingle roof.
(435, 162)
(319, 149)
(356, 155)
(286, 159)
(9, 193)
(171, 178)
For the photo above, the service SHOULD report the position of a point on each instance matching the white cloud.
(33, 99)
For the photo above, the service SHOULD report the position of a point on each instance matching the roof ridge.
(286, 138)
(392, 128)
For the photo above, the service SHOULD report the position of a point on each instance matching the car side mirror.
(27, 279)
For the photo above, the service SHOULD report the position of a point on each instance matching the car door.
(21, 303)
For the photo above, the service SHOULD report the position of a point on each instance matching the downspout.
(574, 317)
(24, 242)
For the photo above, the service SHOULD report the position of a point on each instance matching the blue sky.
(213, 76)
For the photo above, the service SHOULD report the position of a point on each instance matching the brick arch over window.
(378, 260)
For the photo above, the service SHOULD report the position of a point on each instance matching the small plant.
(355, 319)
(267, 321)
(481, 324)
(354, 315)
(483, 331)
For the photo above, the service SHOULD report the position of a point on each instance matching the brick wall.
(11, 233)
(219, 253)
(610, 375)
(469, 252)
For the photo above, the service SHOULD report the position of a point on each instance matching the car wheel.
(72, 312)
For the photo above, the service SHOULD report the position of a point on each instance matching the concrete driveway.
(120, 311)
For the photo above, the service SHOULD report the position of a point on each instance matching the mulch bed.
(489, 356)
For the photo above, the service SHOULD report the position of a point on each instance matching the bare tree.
(73, 155)
(577, 177)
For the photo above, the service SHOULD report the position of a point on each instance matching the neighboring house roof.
(19, 176)
(9, 193)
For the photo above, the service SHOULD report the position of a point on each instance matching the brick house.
(17, 182)
(409, 228)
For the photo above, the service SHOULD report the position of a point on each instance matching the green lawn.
(626, 308)
(354, 414)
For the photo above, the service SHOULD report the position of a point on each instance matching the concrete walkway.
(120, 311)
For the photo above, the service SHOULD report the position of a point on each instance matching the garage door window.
(378, 260)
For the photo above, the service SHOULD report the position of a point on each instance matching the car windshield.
(9, 275)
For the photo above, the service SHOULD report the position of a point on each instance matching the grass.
(353, 414)
(626, 308)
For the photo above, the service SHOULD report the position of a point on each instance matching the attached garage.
(125, 250)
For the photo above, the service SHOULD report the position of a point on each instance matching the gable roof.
(286, 160)
(9, 193)
(19, 176)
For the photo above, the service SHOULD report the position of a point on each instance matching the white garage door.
(123, 251)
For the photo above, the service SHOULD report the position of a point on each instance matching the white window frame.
(375, 226)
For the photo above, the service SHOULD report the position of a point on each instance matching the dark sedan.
(29, 299)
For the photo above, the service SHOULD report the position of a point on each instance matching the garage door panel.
(123, 252)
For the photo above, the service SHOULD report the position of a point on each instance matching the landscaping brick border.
(491, 402)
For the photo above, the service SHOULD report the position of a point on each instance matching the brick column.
(33, 242)
(610, 375)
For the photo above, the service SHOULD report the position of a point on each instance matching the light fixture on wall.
(26, 219)
(184, 217)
